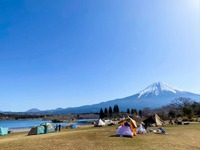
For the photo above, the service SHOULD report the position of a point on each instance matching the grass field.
(181, 137)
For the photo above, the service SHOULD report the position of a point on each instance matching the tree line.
(20, 116)
(115, 112)
(109, 112)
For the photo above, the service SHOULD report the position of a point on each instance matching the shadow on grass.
(113, 136)
(120, 136)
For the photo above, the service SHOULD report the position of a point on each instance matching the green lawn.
(179, 138)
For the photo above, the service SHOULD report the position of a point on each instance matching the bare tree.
(182, 102)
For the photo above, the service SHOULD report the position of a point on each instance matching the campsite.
(99, 75)
(179, 137)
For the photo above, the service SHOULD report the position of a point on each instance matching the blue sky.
(68, 53)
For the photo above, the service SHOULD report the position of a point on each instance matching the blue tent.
(36, 130)
(42, 129)
(49, 128)
(3, 131)
(74, 127)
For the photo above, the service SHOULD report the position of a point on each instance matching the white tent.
(99, 123)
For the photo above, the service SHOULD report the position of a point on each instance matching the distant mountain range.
(156, 95)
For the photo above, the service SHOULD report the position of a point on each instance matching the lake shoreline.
(26, 125)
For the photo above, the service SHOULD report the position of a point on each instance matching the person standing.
(59, 127)
(56, 129)
(45, 129)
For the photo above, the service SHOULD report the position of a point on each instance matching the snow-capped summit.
(158, 88)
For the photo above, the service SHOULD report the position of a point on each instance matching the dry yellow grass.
(179, 138)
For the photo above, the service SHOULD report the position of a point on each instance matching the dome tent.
(127, 128)
(42, 129)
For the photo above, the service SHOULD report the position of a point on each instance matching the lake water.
(22, 124)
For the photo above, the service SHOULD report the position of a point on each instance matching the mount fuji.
(154, 96)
